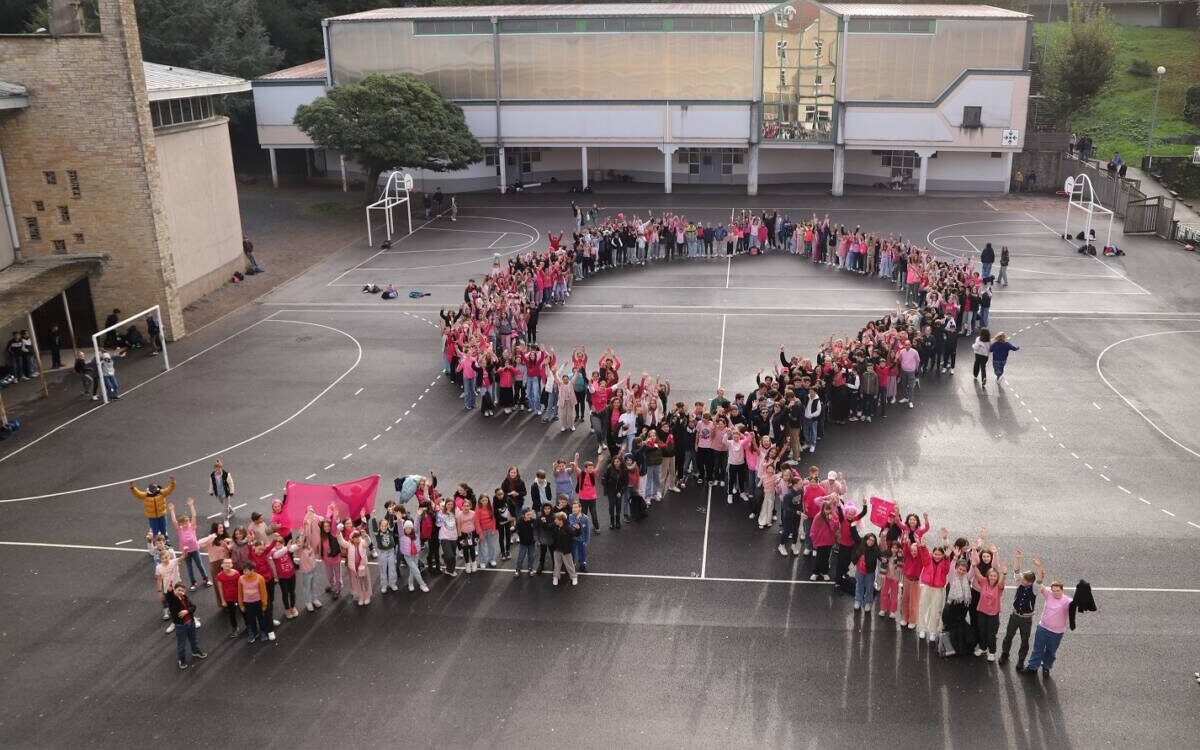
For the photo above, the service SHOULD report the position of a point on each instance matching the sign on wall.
(1010, 137)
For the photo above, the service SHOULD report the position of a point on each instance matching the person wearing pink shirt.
(987, 611)
(910, 363)
(823, 534)
(736, 442)
(935, 567)
(1050, 630)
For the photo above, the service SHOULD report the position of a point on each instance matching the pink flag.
(880, 510)
(349, 497)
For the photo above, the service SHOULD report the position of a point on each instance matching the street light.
(1161, 71)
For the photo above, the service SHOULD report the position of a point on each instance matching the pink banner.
(349, 497)
(880, 510)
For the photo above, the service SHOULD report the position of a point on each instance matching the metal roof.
(170, 82)
(309, 71)
(577, 10)
(13, 96)
(881, 10)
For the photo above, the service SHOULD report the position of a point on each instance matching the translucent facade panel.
(678, 65)
(800, 43)
(458, 66)
(918, 67)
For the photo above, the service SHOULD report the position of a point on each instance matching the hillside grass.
(1119, 118)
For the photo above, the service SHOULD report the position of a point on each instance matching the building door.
(710, 167)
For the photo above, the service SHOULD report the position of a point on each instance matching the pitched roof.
(575, 10)
(883, 10)
(13, 96)
(171, 82)
(309, 71)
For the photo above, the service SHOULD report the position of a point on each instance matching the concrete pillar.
(839, 170)
(1008, 159)
(667, 152)
(503, 170)
(584, 164)
(752, 170)
(274, 169)
(924, 169)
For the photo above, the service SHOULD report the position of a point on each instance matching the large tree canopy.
(1081, 58)
(218, 36)
(386, 121)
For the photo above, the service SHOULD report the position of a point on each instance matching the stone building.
(116, 176)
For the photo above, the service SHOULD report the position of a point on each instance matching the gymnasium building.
(910, 97)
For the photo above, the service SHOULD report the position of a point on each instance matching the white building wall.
(274, 108)
(967, 171)
(780, 166)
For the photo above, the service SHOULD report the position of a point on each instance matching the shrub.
(1141, 68)
(1191, 106)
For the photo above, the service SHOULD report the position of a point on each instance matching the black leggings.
(287, 590)
(821, 562)
(980, 368)
(739, 475)
(580, 405)
(231, 611)
(431, 554)
(449, 553)
(505, 539)
(589, 507)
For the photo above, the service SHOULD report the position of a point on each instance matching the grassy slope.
(1120, 117)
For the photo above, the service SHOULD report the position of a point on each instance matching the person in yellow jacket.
(154, 502)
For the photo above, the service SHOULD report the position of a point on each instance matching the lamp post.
(1160, 72)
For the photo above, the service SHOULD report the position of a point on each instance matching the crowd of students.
(748, 449)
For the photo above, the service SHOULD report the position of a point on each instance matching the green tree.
(386, 121)
(1081, 58)
(218, 36)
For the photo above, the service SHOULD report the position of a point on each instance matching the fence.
(1123, 196)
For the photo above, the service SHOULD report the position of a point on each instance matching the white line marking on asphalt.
(377, 436)
(1060, 445)
(214, 515)
(347, 456)
(1169, 513)
(387, 429)
(330, 466)
(640, 576)
(238, 507)
(397, 420)
(1090, 467)
(414, 405)
(704, 550)
(1105, 478)
(406, 412)
(360, 390)
(264, 497)
(1074, 455)
(310, 476)
(364, 445)
(1193, 524)
(228, 448)
(1122, 489)
(989, 205)
(1096, 405)
(125, 541)
(1144, 500)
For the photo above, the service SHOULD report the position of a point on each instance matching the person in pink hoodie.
(736, 440)
(823, 535)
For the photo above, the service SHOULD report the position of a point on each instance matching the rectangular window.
(421, 28)
(50, 177)
(972, 117)
(155, 118)
(176, 110)
(39, 205)
(78, 238)
(891, 26)
(60, 246)
(73, 181)
(64, 213)
(31, 227)
(489, 157)
(900, 159)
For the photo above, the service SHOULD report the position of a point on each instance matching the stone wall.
(86, 143)
(1045, 164)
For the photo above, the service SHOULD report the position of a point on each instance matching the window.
(972, 117)
(452, 27)
(51, 178)
(78, 236)
(39, 205)
(891, 26)
(64, 213)
(179, 111)
(31, 226)
(489, 157)
(900, 159)
(60, 246)
(73, 180)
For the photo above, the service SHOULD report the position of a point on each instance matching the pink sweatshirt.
(1054, 613)
(737, 448)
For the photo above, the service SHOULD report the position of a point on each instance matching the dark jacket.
(615, 480)
(177, 604)
(526, 531)
(562, 539)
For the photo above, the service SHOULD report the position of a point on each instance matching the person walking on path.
(982, 349)
(183, 616)
(1000, 349)
(987, 258)
(154, 504)
(220, 486)
(1002, 277)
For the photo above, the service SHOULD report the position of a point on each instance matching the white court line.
(1093, 257)
(1096, 405)
(704, 552)
(264, 497)
(471, 231)
(228, 448)
(127, 391)
(728, 270)
(1169, 513)
(364, 445)
(639, 576)
(125, 541)
(360, 390)
(214, 515)
(972, 244)
(377, 437)
(330, 466)
(489, 247)
(721, 361)
(451, 249)
(238, 507)
(989, 205)
(1129, 403)
(347, 456)
(401, 239)
(1144, 500)
(310, 476)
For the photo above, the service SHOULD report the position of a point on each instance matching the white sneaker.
(978, 651)
(912, 625)
(271, 636)
(395, 589)
(171, 628)
(882, 613)
(753, 515)
(933, 638)
(277, 623)
(166, 615)
(410, 587)
(729, 499)
(783, 551)
(383, 590)
(867, 609)
(903, 624)
(574, 581)
(795, 549)
(921, 634)
(910, 404)
(857, 605)
(554, 582)
(812, 577)
(903, 401)
(991, 656)
(425, 588)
